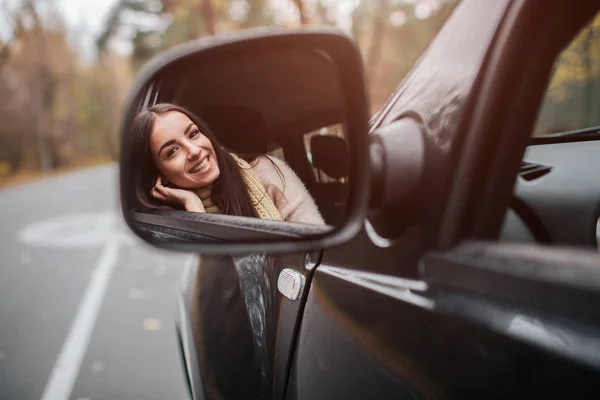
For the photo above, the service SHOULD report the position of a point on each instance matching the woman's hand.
(177, 197)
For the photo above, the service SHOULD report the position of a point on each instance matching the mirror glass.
(254, 134)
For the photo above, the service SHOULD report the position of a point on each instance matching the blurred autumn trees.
(60, 109)
(391, 34)
(56, 111)
(573, 96)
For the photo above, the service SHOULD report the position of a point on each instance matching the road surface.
(87, 311)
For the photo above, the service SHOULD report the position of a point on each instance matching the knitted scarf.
(264, 206)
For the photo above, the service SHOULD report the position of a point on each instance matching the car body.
(469, 312)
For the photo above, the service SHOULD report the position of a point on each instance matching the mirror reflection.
(183, 166)
(247, 135)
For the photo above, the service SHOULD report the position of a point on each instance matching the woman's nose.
(193, 152)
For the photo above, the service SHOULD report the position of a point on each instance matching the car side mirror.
(217, 141)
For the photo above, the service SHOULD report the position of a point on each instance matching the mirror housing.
(306, 49)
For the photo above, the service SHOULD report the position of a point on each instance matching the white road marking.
(25, 257)
(97, 367)
(152, 324)
(71, 231)
(66, 369)
(84, 231)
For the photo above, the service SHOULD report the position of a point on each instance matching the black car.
(460, 255)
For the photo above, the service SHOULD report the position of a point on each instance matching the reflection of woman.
(179, 164)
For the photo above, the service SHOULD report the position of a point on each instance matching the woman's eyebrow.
(166, 144)
(172, 141)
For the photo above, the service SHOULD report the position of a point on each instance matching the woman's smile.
(202, 166)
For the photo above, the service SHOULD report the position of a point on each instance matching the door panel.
(243, 327)
(361, 339)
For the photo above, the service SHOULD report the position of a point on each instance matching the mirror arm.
(397, 154)
(377, 171)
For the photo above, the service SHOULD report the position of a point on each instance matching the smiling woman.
(179, 164)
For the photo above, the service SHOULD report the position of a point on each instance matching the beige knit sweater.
(289, 195)
(276, 195)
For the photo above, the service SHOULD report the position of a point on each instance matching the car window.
(275, 150)
(556, 192)
(332, 130)
(572, 100)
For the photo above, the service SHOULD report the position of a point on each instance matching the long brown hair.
(229, 191)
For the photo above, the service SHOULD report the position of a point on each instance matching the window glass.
(332, 130)
(275, 150)
(572, 101)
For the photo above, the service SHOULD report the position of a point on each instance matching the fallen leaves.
(152, 325)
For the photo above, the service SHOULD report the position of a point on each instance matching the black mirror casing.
(340, 51)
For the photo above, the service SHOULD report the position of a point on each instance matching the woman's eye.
(171, 151)
(194, 133)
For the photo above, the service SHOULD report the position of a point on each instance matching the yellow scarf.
(264, 206)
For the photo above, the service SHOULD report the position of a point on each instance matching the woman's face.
(183, 155)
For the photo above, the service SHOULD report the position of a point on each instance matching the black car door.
(427, 304)
(238, 321)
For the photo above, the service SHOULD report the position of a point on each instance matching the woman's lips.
(201, 167)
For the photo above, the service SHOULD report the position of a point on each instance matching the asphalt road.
(86, 310)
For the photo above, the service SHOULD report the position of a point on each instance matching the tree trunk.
(379, 26)
(46, 91)
(255, 8)
(109, 99)
(45, 159)
(358, 19)
(301, 12)
(323, 14)
(17, 32)
(588, 88)
(209, 16)
(45, 146)
(48, 85)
